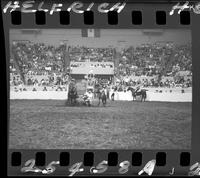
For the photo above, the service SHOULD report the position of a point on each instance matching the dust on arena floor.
(49, 124)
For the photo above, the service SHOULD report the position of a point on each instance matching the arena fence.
(42, 95)
(125, 96)
(152, 96)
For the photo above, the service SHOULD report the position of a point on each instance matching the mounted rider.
(102, 96)
(72, 92)
(138, 89)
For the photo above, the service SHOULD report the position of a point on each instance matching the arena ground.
(49, 124)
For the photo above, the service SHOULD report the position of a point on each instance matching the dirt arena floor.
(42, 124)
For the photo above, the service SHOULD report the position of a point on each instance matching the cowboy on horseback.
(138, 89)
(102, 96)
(72, 93)
(138, 92)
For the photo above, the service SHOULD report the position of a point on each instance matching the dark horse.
(135, 93)
(72, 95)
(101, 95)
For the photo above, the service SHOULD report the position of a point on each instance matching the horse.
(102, 97)
(135, 93)
(72, 95)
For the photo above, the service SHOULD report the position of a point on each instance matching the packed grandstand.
(38, 66)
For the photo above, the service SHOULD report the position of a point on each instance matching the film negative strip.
(102, 88)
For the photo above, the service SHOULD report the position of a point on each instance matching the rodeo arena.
(100, 89)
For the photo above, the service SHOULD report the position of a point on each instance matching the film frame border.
(147, 155)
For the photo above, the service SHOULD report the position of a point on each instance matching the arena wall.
(40, 95)
(125, 96)
(108, 37)
(92, 67)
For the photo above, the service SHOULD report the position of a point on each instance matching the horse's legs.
(143, 97)
(103, 101)
(112, 97)
(99, 101)
(74, 100)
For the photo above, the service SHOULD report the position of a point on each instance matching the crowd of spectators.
(151, 59)
(149, 65)
(155, 65)
(42, 82)
(38, 57)
(121, 85)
